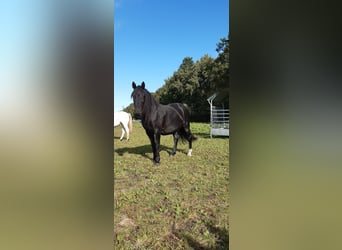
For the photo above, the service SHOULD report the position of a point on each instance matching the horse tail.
(193, 138)
(184, 136)
(130, 123)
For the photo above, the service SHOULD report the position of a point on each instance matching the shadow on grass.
(144, 150)
(123, 139)
(221, 235)
(207, 136)
(202, 135)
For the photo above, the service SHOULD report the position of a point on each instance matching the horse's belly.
(168, 131)
(116, 123)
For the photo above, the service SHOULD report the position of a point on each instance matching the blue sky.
(152, 37)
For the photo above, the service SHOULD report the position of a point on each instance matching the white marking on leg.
(190, 151)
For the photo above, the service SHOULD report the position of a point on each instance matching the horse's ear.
(134, 85)
(143, 85)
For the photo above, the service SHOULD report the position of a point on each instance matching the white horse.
(125, 120)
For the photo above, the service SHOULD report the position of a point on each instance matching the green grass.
(180, 204)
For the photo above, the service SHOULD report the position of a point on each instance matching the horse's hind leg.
(122, 133)
(175, 141)
(190, 138)
(127, 133)
(124, 130)
(190, 147)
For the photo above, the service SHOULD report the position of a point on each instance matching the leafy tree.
(129, 109)
(181, 85)
(221, 70)
(205, 74)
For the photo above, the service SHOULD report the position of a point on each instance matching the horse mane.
(151, 101)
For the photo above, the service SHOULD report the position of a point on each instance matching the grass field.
(180, 204)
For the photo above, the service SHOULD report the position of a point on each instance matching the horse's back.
(121, 117)
(181, 108)
(178, 114)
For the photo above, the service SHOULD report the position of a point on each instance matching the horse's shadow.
(145, 150)
(221, 235)
(118, 137)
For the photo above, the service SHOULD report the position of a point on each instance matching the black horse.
(158, 119)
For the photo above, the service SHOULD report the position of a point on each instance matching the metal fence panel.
(219, 122)
(219, 119)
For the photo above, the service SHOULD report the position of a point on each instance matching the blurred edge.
(285, 152)
(56, 116)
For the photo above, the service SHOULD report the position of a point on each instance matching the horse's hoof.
(156, 163)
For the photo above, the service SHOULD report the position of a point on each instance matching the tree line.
(194, 82)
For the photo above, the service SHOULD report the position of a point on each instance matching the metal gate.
(219, 119)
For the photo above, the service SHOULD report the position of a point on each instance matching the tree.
(181, 85)
(205, 74)
(221, 70)
(129, 109)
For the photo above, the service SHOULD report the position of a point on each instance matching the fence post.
(210, 101)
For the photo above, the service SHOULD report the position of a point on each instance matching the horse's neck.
(152, 106)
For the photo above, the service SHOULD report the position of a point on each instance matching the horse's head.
(139, 95)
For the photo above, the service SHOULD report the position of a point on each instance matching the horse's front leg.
(157, 143)
(155, 149)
